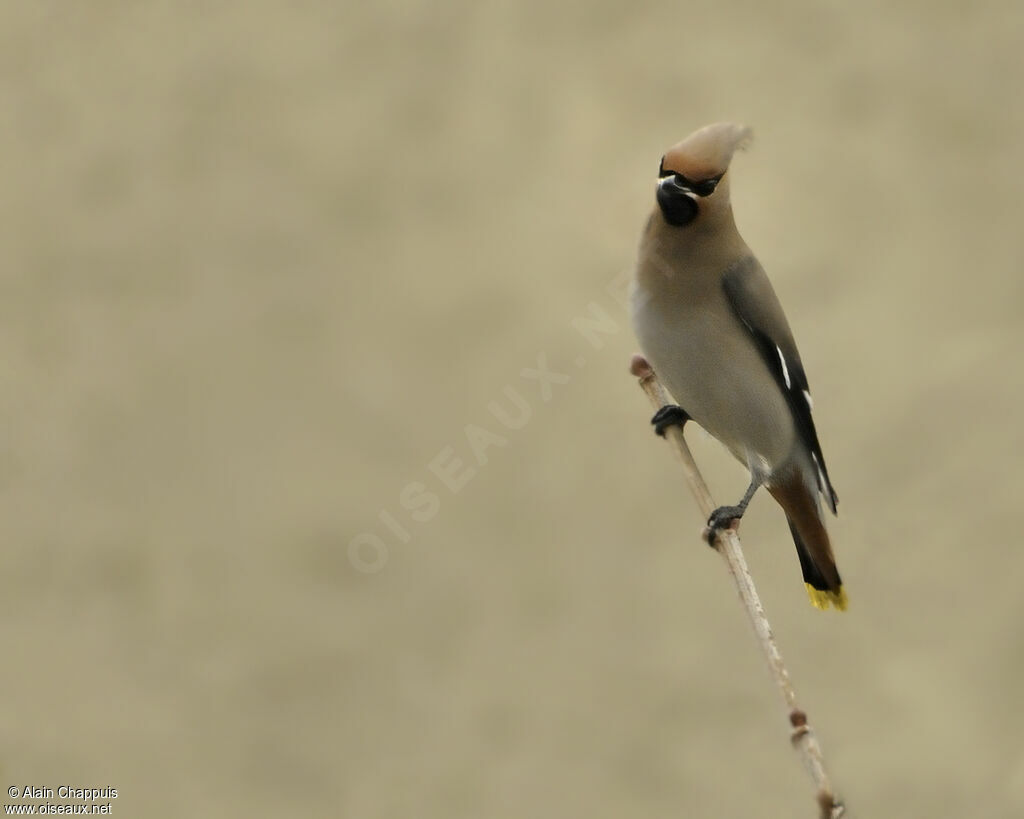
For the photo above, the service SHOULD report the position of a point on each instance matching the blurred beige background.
(264, 263)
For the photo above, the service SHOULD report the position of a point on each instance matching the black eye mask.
(703, 188)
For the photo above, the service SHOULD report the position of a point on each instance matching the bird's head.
(691, 175)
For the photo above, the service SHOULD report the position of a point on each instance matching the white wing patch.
(810, 401)
(785, 369)
(822, 482)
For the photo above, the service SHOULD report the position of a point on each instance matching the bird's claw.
(669, 415)
(724, 517)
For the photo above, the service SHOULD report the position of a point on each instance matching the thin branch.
(728, 545)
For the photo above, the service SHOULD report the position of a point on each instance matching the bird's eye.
(707, 187)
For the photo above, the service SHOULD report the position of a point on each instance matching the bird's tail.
(822, 591)
(824, 586)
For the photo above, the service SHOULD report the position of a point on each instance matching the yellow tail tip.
(823, 599)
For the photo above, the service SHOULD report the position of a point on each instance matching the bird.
(710, 324)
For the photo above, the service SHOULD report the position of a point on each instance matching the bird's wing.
(752, 298)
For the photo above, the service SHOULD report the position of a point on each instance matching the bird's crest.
(706, 153)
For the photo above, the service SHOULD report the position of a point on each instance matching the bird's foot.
(669, 415)
(724, 517)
